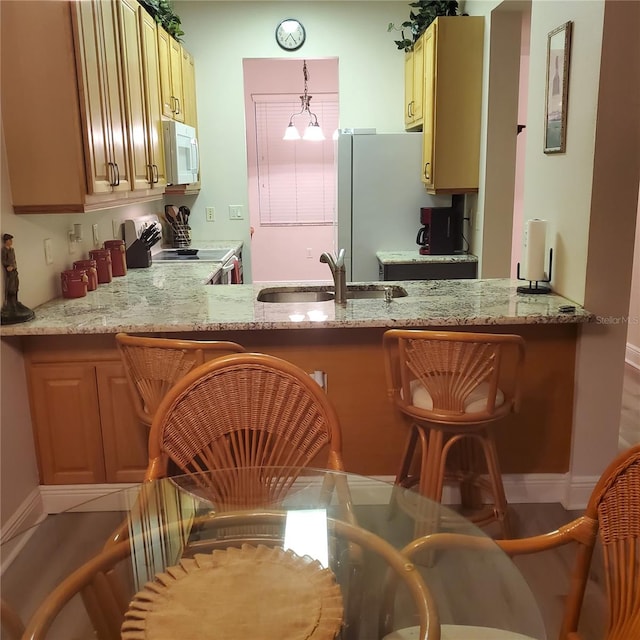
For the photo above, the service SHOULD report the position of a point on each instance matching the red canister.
(74, 283)
(118, 257)
(92, 272)
(103, 264)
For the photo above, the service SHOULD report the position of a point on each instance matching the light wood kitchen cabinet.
(453, 49)
(171, 85)
(124, 437)
(85, 426)
(66, 422)
(189, 89)
(414, 86)
(71, 105)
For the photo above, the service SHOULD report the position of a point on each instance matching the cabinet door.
(102, 95)
(66, 421)
(164, 64)
(408, 89)
(153, 97)
(428, 120)
(189, 89)
(418, 79)
(124, 437)
(142, 173)
(175, 56)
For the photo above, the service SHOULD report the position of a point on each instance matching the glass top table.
(312, 514)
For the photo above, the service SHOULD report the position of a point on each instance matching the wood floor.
(64, 541)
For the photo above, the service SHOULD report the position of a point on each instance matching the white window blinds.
(296, 178)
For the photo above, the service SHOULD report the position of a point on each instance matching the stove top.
(191, 255)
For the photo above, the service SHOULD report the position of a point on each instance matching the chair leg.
(495, 479)
(403, 477)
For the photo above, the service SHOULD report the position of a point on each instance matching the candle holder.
(534, 285)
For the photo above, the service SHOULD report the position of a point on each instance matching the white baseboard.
(63, 497)
(519, 488)
(578, 492)
(632, 355)
(28, 514)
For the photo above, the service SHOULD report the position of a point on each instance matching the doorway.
(292, 195)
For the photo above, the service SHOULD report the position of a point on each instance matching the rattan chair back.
(615, 506)
(450, 365)
(154, 365)
(252, 412)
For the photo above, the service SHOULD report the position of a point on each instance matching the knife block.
(138, 255)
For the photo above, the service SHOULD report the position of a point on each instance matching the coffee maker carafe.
(441, 233)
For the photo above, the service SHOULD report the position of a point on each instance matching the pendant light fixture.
(313, 130)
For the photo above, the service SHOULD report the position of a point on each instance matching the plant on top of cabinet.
(427, 12)
(163, 13)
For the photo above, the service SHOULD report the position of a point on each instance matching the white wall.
(221, 34)
(633, 332)
(590, 197)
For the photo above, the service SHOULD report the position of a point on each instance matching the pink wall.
(285, 253)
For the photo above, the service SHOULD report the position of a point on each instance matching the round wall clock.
(290, 34)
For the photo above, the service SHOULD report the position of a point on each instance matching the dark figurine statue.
(12, 310)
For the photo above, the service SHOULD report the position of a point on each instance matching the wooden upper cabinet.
(453, 48)
(189, 89)
(102, 105)
(177, 80)
(72, 100)
(151, 79)
(414, 86)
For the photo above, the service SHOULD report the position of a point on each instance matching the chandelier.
(313, 130)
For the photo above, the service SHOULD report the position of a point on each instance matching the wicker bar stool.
(452, 387)
(154, 365)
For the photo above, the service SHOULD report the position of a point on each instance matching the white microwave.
(181, 152)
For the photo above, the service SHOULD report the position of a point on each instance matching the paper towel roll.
(534, 254)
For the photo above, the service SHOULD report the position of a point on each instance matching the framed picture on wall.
(557, 90)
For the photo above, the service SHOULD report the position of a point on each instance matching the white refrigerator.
(379, 197)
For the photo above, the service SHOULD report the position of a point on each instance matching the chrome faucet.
(339, 273)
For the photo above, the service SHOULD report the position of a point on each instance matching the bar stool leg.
(500, 507)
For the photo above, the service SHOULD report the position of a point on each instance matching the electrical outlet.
(96, 238)
(210, 212)
(115, 227)
(309, 252)
(48, 253)
(235, 212)
(71, 238)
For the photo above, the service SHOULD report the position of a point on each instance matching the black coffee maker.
(441, 233)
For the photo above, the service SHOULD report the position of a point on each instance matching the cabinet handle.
(117, 184)
(426, 171)
(177, 111)
(150, 173)
(112, 174)
(172, 104)
(155, 174)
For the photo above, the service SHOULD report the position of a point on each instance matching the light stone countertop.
(410, 257)
(171, 298)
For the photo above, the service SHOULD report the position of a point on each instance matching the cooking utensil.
(184, 213)
(170, 214)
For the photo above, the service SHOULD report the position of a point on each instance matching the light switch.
(96, 239)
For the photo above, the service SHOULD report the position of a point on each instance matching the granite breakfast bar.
(85, 429)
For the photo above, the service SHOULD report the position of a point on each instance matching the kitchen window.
(296, 179)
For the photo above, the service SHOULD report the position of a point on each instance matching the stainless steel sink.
(318, 294)
(294, 295)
